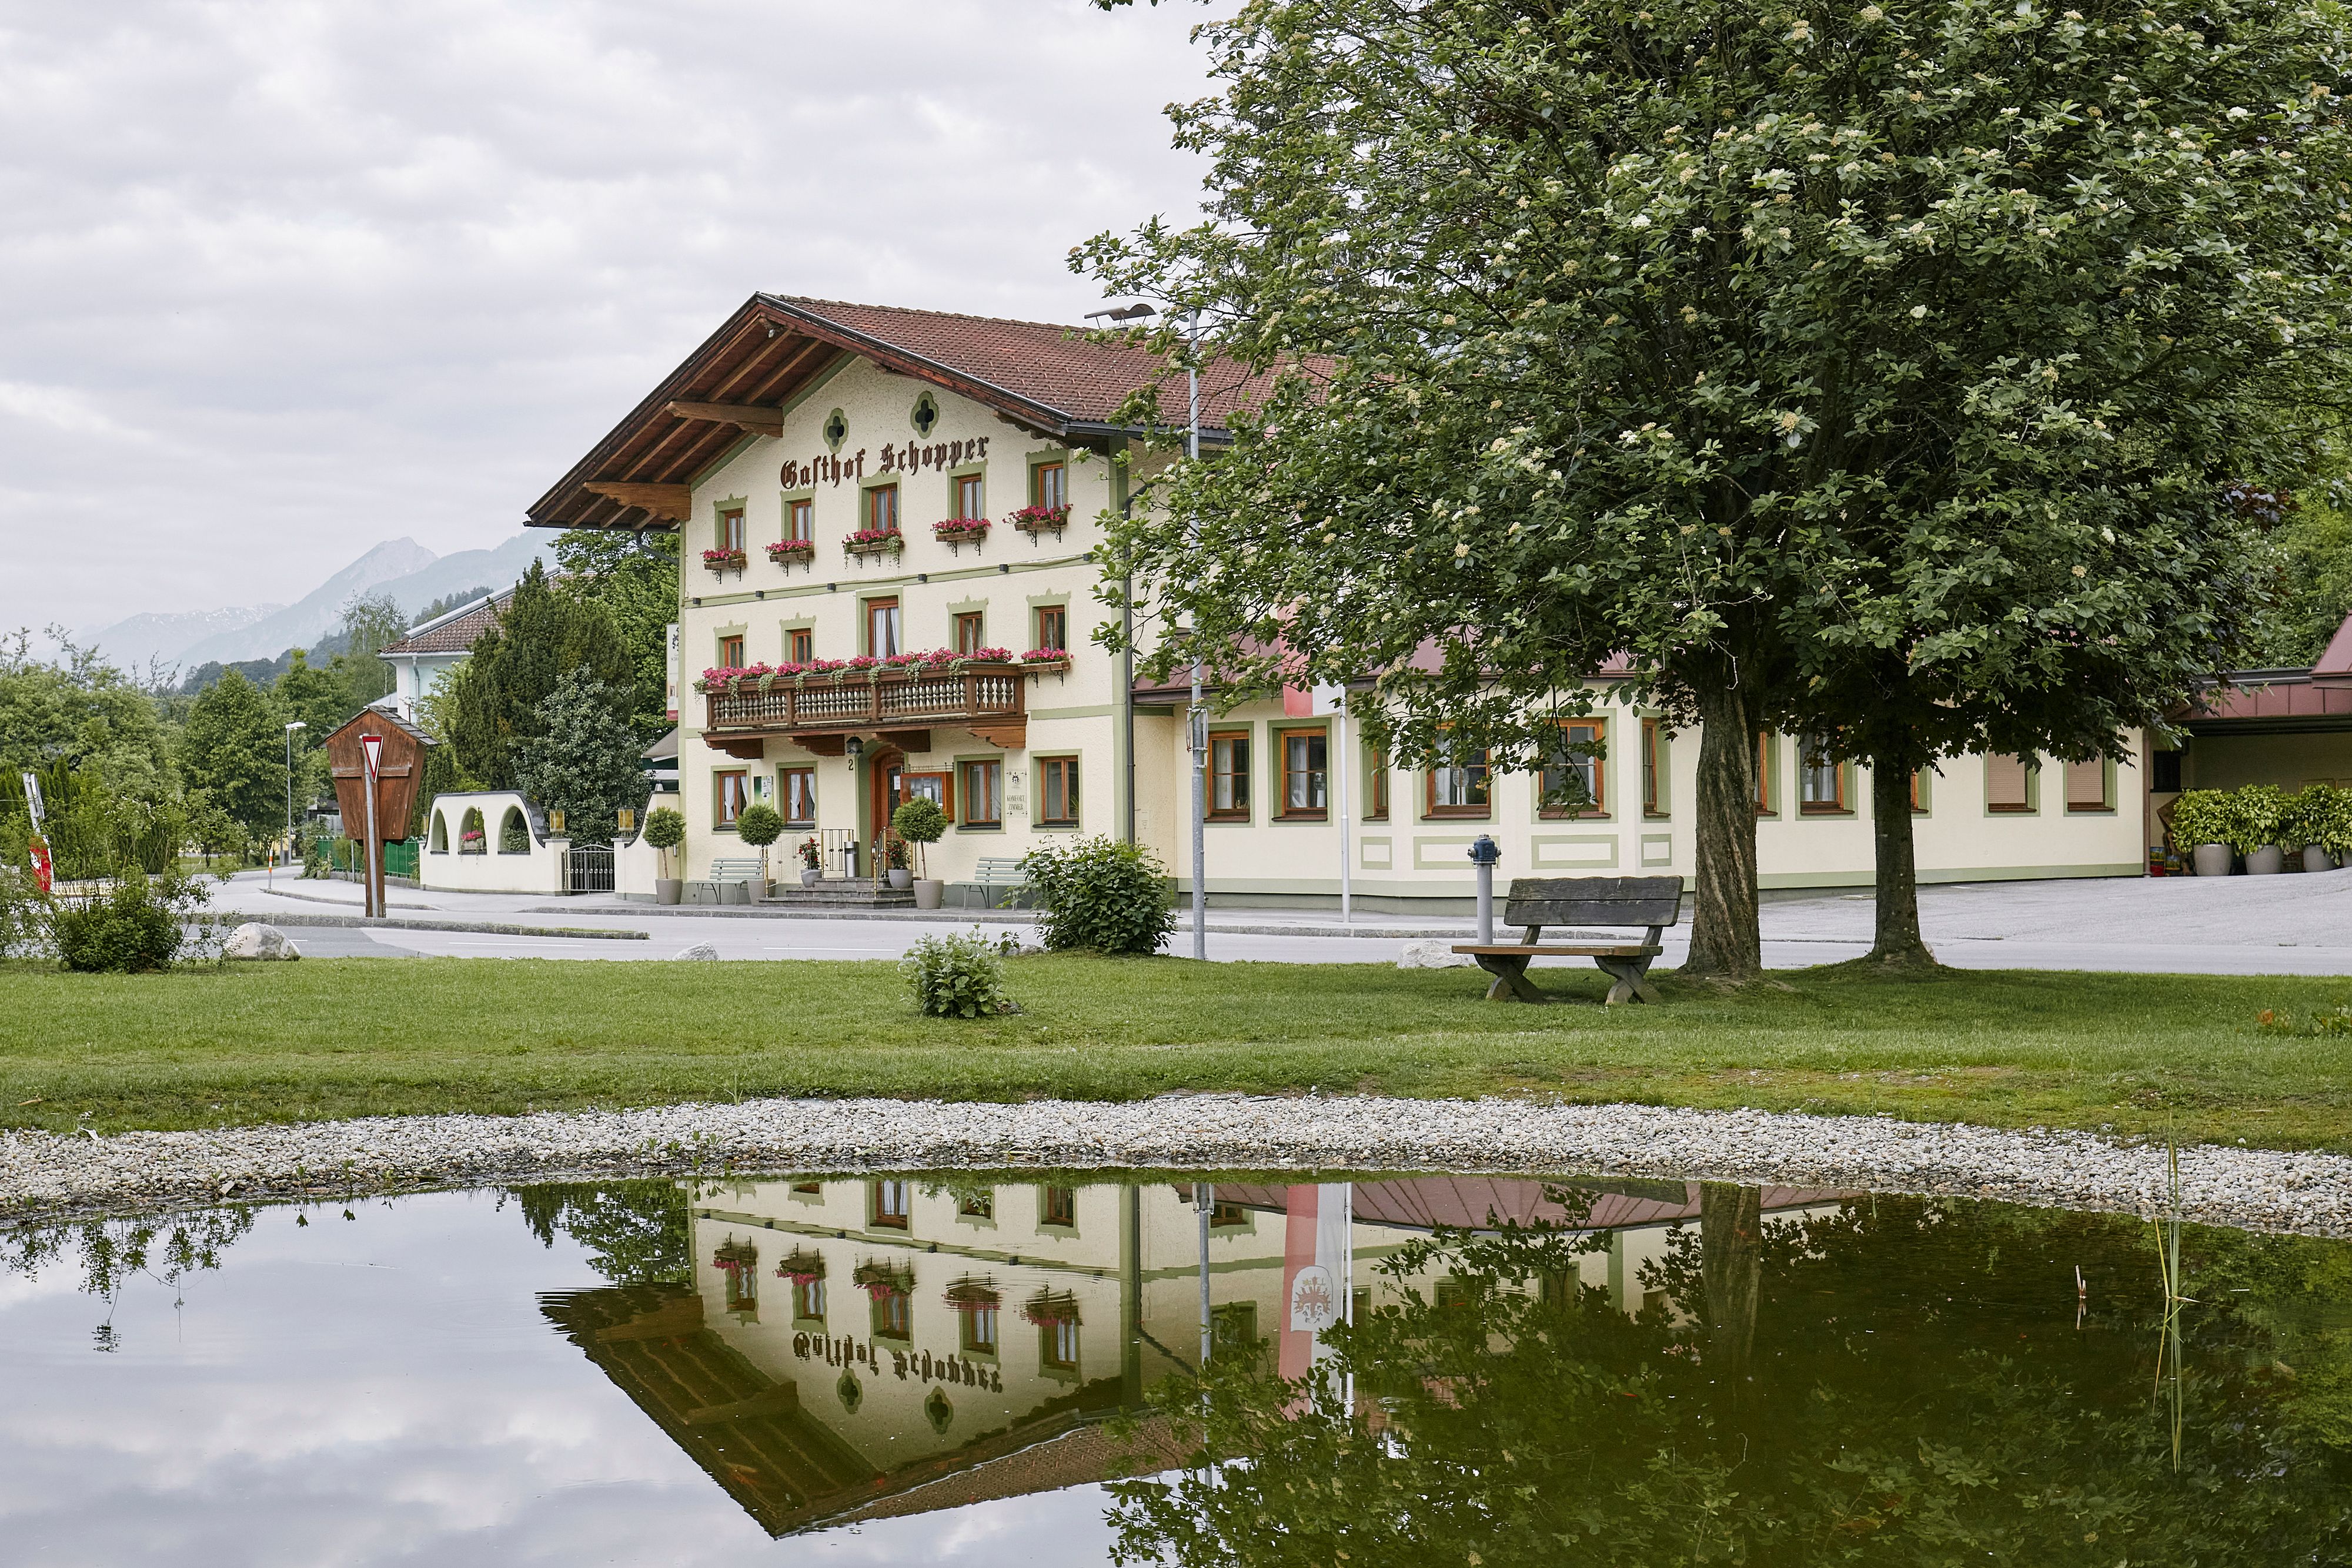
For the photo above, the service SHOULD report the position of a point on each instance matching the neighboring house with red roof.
(860, 486)
(423, 659)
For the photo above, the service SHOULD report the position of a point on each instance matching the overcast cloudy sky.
(282, 279)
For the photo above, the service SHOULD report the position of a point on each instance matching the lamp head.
(1135, 312)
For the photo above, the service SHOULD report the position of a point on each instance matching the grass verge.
(328, 1038)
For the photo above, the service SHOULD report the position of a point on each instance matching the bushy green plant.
(132, 924)
(1101, 895)
(919, 821)
(2258, 813)
(24, 914)
(957, 976)
(2203, 817)
(514, 837)
(2319, 815)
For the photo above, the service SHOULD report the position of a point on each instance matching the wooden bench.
(1655, 901)
(994, 872)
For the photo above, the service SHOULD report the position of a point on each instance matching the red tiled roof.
(1052, 366)
(454, 632)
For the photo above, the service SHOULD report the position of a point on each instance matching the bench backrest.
(1594, 901)
(734, 870)
(993, 868)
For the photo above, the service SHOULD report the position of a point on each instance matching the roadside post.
(43, 871)
(1483, 854)
(372, 748)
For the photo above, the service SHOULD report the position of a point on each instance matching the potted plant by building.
(894, 859)
(919, 821)
(2260, 813)
(810, 863)
(2311, 815)
(2202, 825)
(759, 825)
(664, 831)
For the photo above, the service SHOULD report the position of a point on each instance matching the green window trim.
(2032, 807)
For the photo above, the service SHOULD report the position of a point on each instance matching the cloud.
(288, 279)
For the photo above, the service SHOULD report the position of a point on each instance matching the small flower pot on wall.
(901, 879)
(2316, 858)
(2211, 860)
(928, 892)
(2268, 860)
(669, 889)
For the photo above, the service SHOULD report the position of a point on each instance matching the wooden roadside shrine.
(400, 768)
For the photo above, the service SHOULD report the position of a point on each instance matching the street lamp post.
(1198, 717)
(290, 729)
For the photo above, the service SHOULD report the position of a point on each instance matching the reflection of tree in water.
(110, 1253)
(638, 1230)
(1901, 1383)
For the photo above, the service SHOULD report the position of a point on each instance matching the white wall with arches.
(489, 840)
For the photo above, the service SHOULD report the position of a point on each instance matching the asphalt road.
(2294, 924)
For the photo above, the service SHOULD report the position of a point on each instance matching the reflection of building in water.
(859, 1348)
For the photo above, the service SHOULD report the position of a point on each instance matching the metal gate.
(588, 868)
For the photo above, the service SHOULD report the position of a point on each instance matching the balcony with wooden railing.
(820, 713)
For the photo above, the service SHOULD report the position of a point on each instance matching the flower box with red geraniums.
(958, 530)
(723, 560)
(1041, 519)
(785, 551)
(1046, 657)
(874, 542)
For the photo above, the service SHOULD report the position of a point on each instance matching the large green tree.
(634, 577)
(585, 759)
(233, 748)
(1872, 369)
(495, 699)
(78, 711)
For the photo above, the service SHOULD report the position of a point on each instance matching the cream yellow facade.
(1006, 580)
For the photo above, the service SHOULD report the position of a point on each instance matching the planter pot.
(2314, 858)
(901, 880)
(2211, 860)
(669, 889)
(928, 892)
(2268, 860)
(809, 876)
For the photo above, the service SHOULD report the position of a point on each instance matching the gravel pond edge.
(43, 1176)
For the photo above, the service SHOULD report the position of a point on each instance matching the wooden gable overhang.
(739, 384)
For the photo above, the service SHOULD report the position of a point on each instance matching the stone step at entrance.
(839, 893)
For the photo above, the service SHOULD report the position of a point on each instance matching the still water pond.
(954, 1368)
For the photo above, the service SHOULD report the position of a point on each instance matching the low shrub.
(2203, 817)
(24, 914)
(1101, 895)
(135, 923)
(958, 976)
(2260, 813)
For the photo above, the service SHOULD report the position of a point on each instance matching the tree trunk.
(1725, 944)
(1897, 942)
(1731, 1266)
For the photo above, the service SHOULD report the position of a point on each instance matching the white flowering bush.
(1873, 371)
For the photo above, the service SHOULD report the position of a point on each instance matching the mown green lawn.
(328, 1038)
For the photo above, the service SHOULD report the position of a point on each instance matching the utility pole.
(290, 729)
(1198, 715)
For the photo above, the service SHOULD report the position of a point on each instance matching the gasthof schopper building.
(885, 590)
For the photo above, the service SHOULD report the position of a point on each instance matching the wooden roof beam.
(672, 503)
(754, 417)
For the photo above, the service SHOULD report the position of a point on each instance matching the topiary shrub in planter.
(919, 822)
(959, 976)
(759, 825)
(664, 831)
(1101, 895)
(2258, 813)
